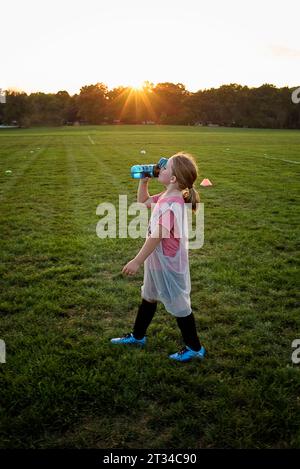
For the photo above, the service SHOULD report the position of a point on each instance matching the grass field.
(63, 295)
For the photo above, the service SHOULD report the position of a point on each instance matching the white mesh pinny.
(167, 279)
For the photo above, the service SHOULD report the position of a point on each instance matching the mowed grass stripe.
(18, 160)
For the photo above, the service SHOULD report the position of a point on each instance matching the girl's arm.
(150, 244)
(143, 194)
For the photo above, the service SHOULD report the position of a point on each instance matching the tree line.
(230, 105)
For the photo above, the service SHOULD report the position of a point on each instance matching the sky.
(52, 45)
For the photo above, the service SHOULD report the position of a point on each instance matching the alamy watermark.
(2, 351)
(296, 96)
(296, 352)
(193, 231)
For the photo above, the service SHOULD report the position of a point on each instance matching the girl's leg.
(187, 326)
(144, 317)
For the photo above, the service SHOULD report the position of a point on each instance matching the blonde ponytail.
(191, 196)
(185, 168)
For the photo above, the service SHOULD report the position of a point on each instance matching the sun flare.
(137, 85)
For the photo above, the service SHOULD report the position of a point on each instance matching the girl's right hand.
(144, 180)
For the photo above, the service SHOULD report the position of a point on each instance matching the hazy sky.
(52, 45)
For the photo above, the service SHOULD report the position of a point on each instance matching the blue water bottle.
(140, 171)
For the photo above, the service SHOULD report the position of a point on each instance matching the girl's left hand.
(131, 267)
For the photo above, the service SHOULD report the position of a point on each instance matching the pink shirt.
(170, 245)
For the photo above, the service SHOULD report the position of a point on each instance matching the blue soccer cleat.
(187, 354)
(129, 339)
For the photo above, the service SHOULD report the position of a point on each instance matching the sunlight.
(137, 85)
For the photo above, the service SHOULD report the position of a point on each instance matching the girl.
(165, 256)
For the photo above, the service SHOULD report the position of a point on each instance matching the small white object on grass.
(8, 171)
(143, 152)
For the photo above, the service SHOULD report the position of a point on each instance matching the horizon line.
(140, 89)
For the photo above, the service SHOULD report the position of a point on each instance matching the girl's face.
(165, 174)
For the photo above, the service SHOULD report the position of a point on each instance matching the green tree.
(169, 102)
(92, 103)
(16, 109)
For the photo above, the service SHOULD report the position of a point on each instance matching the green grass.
(63, 296)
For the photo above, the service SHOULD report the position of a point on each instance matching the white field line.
(280, 159)
(91, 140)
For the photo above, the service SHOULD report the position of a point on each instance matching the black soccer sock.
(144, 317)
(187, 326)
